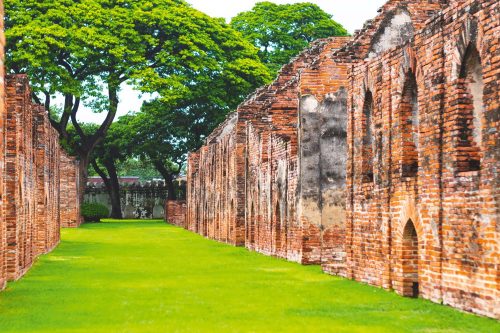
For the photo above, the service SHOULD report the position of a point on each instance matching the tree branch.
(47, 100)
(75, 123)
(36, 98)
(101, 173)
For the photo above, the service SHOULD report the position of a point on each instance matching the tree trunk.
(84, 175)
(114, 193)
(112, 187)
(90, 142)
(169, 180)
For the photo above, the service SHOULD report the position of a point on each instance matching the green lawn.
(151, 277)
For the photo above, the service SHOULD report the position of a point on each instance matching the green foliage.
(117, 145)
(94, 212)
(221, 70)
(148, 276)
(73, 139)
(282, 31)
(136, 167)
(133, 166)
(77, 48)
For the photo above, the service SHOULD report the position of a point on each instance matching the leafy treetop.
(282, 31)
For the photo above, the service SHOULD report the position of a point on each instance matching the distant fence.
(138, 201)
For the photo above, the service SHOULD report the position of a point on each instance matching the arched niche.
(470, 121)
(367, 139)
(409, 259)
(409, 120)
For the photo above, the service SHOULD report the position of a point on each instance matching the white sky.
(351, 14)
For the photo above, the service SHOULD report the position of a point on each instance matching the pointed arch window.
(471, 112)
(409, 117)
(367, 141)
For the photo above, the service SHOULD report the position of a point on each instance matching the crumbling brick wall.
(322, 154)
(20, 176)
(69, 187)
(213, 193)
(423, 149)
(3, 225)
(47, 152)
(374, 156)
(35, 169)
(175, 212)
(242, 184)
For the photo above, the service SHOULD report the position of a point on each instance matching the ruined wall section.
(20, 194)
(192, 195)
(322, 154)
(396, 24)
(271, 228)
(33, 169)
(69, 208)
(252, 158)
(273, 178)
(3, 225)
(47, 234)
(213, 194)
(175, 212)
(423, 186)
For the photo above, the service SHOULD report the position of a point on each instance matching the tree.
(167, 129)
(76, 48)
(115, 148)
(282, 31)
(159, 141)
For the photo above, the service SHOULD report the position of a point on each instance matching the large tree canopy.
(78, 48)
(167, 129)
(282, 31)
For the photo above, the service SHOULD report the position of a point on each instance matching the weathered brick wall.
(322, 145)
(242, 184)
(423, 187)
(32, 177)
(212, 208)
(69, 185)
(3, 225)
(47, 152)
(375, 157)
(175, 212)
(19, 177)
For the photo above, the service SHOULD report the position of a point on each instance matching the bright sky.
(351, 14)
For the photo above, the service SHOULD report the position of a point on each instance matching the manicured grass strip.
(147, 276)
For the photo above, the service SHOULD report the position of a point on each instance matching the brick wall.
(47, 152)
(19, 177)
(375, 156)
(3, 225)
(69, 186)
(175, 212)
(37, 181)
(433, 156)
(242, 184)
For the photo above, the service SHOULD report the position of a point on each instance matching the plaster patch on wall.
(308, 210)
(229, 126)
(308, 103)
(397, 31)
(333, 210)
